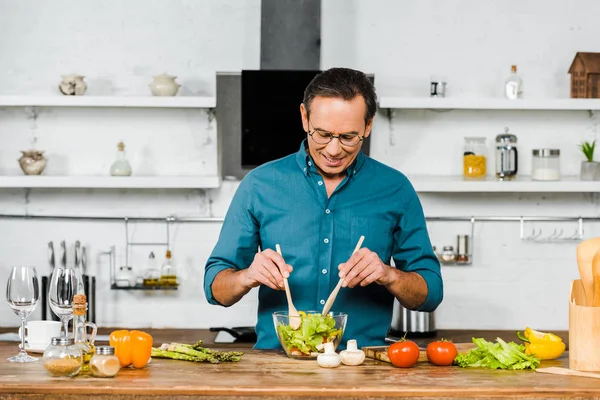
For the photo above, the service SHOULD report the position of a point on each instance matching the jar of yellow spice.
(474, 158)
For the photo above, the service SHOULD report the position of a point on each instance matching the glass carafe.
(168, 272)
(151, 274)
(474, 158)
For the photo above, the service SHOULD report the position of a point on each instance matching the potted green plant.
(590, 169)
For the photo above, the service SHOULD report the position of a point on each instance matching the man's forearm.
(227, 288)
(408, 287)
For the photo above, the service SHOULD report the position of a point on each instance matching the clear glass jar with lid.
(62, 358)
(545, 164)
(104, 364)
(474, 157)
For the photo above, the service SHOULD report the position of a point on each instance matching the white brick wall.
(471, 42)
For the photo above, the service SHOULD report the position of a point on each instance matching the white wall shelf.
(429, 103)
(109, 101)
(456, 184)
(111, 182)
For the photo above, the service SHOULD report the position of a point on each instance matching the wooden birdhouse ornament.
(585, 76)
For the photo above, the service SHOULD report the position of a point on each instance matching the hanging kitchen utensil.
(333, 294)
(585, 255)
(51, 257)
(77, 253)
(89, 290)
(63, 257)
(293, 314)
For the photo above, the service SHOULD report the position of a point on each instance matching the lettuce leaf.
(499, 355)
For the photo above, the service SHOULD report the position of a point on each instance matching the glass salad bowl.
(307, 341)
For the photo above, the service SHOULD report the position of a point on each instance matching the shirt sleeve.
(238, 241)
(413, 251)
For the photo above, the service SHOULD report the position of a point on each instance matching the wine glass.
(63, 287)
(22, 295)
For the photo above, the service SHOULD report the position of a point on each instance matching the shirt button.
(326, 240)
(324, 271)
(327, 211)
(322, 302)
(320, 183)
(309, 163)
(304, 169)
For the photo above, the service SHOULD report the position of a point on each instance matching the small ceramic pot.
(32, 162)
(72, 85)
(164, 85)
(590, 171)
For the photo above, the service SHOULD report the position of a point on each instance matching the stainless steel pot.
(409, 322)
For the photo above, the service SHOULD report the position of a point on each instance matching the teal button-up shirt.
(285, 202)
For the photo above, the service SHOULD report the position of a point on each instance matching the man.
(316, 204)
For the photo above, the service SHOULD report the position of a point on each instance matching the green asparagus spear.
(182, 348)
(159, 353)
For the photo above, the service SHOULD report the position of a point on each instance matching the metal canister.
(507, 160)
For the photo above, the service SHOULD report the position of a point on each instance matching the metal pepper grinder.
(507, 160)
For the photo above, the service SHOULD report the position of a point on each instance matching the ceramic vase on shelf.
(164, 85)
(72, 85)
(121, 166)
(590, 171)
(32, 162)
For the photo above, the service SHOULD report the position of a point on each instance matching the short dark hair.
(345, 83)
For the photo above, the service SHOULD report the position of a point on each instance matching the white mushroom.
(352, 356)
(328, 359)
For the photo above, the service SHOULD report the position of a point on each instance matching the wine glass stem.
(23, 324)
(66, 327)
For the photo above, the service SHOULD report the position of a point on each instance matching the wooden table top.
(270, 374)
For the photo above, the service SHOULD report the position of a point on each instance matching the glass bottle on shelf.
(80, 326)
(168, 273)
(151, 274)
(474, 158)
(121, 166)
(513, 87)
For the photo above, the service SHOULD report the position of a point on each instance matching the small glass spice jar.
(448, 255)
(62, 358)
(474, 158)
(545, 164)
(462, 250)
(104, 364)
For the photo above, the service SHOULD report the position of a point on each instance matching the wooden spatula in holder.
(584, 331)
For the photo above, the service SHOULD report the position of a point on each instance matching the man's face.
(337, 117)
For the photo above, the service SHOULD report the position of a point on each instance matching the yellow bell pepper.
(132, 347)
(544, 345)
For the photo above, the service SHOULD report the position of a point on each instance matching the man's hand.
(364, 268)
(268, 268)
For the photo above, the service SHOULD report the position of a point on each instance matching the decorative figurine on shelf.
(32, 162)
(72, 85)
(164, 85)
(121, 166)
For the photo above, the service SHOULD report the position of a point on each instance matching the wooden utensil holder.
(584, 332)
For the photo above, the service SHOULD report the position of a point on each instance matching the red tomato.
(441, 352)
(403, 354)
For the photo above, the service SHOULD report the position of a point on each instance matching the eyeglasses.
(346, 139)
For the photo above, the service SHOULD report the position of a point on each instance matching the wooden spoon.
(585, 254)
(596, 276)
(293, 314)
(333, 294)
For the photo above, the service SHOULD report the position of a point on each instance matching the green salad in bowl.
(315, 330)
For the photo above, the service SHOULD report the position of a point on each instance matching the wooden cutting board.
(380, 352)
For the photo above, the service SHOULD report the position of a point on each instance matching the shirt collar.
(306, 163)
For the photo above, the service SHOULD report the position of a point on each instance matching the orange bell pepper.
(132, 347)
